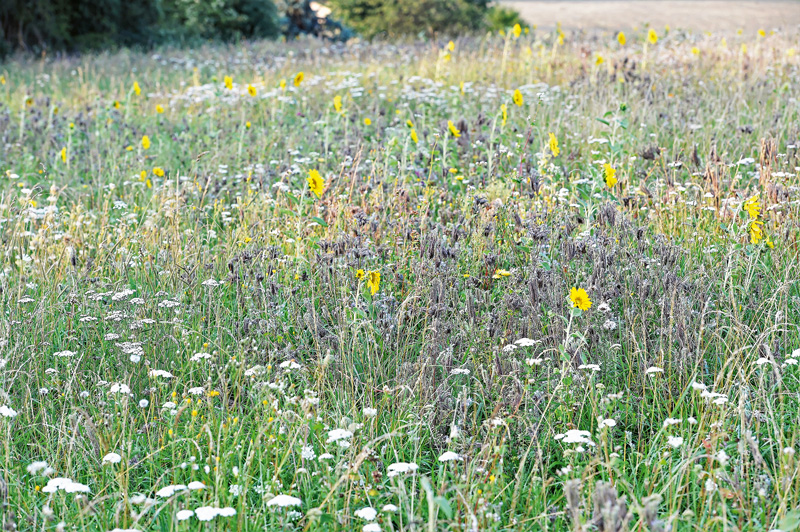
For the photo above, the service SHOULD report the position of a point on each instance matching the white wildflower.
(675, 441)
(401, 467)
(112, 458)
(7, 411)
(338, 434)
(284, 500)
(367, 513)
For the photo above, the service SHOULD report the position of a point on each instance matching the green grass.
(478, 240)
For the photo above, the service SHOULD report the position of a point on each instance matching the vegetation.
(517, 282)
(411, 17)
(75, 25)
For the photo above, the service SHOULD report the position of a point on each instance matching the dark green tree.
(75, 25)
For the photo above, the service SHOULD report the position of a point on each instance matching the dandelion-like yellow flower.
(2, 80)
(580, 299)
(498, 273)
(117, 105)
(414, 136)
(553, 144)
(374, 281)
(316, 183)
(360, 274)
(517, 97)
(159, 108)
(453, 129)
(337, 103)
(146, 142)
(228, 82)
(695, 50)
(298, 79)
(610, 175)
(516, 30)
(367, 122)
(158, 172)
(504, 111)
(621, 38)
(247, 124)
(136, 88)
(64, 154)
(599, 60)
(752, 206)
(251, 90)
(756, 231)
(451, 46)
(652, 36)
(762, 33)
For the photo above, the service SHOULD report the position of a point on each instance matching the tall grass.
(193, 338)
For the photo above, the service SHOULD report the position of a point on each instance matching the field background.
(697, 15)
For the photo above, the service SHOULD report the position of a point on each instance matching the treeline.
(41, 26)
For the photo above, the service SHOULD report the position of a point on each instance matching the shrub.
(222, 19)
(502, 18)
(411, 17)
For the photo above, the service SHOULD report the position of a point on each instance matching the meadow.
(520, 281)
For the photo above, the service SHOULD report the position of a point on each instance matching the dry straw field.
(524, 281)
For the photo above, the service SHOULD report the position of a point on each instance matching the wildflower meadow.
(527, 280)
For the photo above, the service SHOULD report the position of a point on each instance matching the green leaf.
(606, 122)
(444, 504)
(791, 521)
(320, 221)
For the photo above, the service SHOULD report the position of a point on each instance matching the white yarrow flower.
(401, 467)
(169, 491)
(112, 458)
(34, 467)
(525, 342)
(338, 434)
(367, 513)
(284, 501)
(675, 441)
(7, 411)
